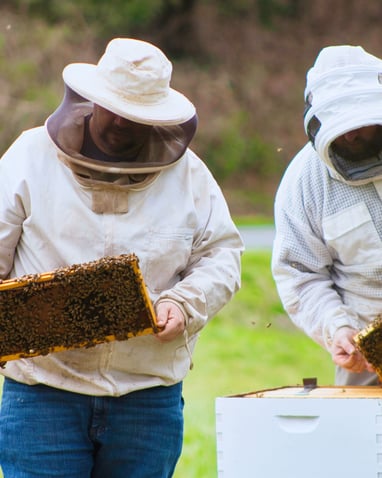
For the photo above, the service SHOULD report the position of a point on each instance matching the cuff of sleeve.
(178, 304)
(332, 328)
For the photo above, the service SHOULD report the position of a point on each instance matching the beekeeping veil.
(343, 93)
(132, 80)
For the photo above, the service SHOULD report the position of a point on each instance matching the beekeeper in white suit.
(327, 257)
(110, 173)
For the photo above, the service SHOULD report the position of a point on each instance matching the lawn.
(250, 345)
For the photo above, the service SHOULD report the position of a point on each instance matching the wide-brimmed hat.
(132, 79)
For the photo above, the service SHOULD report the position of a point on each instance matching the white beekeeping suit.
(327, 258)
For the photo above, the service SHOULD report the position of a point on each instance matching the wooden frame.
(369, 342)
(77, 306)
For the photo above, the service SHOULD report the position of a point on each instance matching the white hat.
(132, 79)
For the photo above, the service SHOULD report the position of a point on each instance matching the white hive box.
(297, 432)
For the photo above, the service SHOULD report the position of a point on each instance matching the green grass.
(254, 220)
(250, 345)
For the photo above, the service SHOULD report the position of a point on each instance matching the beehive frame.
(81, 305)
(369, 342)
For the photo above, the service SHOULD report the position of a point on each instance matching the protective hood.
(343, 93)
(166, 146)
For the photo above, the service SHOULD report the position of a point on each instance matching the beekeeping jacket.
(59, 208)
(327, 256)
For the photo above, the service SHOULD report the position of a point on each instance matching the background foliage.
(242, 62)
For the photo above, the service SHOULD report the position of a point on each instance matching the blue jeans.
(46, 432)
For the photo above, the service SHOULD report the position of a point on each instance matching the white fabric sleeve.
(214, 269)
(12, 212)
(301, 266)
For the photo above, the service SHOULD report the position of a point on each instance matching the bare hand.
(345, 354)
(170, 320)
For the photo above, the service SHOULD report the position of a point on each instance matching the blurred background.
(242, 63)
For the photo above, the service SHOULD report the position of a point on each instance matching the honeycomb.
(369, 342)
(81, 305)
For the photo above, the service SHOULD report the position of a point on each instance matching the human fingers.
(170, 320)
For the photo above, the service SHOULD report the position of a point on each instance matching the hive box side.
(299, 438)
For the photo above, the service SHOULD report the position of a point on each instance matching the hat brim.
(84, 79)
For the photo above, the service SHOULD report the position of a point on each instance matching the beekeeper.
(327, 257)
(111, 173)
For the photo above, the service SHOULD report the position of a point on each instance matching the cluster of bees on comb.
(369, 342)
(76, 306)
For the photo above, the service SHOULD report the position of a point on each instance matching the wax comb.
(81, 305)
